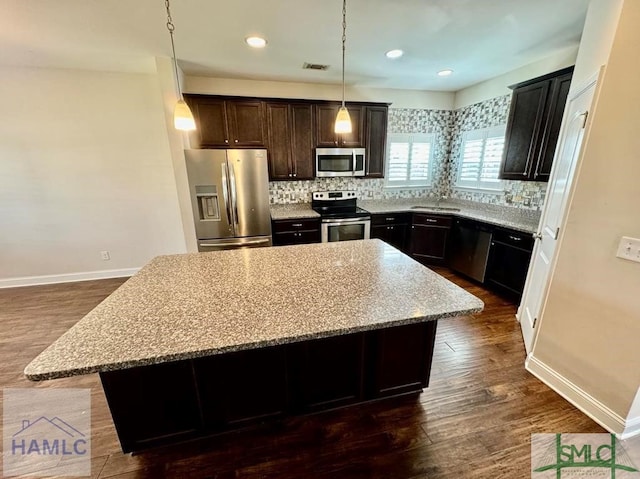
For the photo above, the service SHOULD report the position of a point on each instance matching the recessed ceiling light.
(256, 42)
(445, 73)
(394, 53)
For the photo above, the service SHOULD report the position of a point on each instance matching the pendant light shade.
(182, 117)
(343, 120)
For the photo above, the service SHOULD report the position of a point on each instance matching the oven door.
(346, 229)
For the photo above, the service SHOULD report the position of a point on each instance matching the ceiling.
(478, 39)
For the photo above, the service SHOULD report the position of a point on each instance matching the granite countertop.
(293, 211)
(515, 218)
(192, 305)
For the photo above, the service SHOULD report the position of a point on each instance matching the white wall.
(84, 167)
(590, 326)
(499, 85)
(317, 91)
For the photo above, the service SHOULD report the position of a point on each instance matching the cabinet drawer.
(296, 237)
(390, 219)
(431, 220)
(514, 238)
(282, 226)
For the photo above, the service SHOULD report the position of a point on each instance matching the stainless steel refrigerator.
(230, 198)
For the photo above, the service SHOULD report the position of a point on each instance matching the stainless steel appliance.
(471, 242)
(340, 218)
(340, 162)
(230, 198)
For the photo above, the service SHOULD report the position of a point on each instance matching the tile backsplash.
(447, 127)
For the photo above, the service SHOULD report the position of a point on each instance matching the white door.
(558, 193)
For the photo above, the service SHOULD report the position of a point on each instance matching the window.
(409, 159)
(480, 158)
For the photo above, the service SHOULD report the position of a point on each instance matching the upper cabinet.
(376, 140)
(291, 146)
(227, 123)
(326, 120)
(290, 129)
(533, 127)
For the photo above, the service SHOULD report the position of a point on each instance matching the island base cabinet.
(402, 357)
(182, 400)
(242, 387)
(326, 373)
(153, 405)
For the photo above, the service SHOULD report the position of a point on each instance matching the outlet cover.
(629, 249)
(105, 255)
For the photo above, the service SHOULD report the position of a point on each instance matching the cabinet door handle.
(236, 141)
(389, 219)
(226, 141)
(297, 225)
(429, 220)
(515, 238)
(390, 227)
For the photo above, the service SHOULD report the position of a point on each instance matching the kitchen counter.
(193, 305)
(293, 211)
(514, 218)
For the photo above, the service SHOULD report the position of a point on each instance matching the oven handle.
(365, 219)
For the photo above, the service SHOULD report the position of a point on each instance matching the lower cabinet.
(172, 402)
(429, 237)
(298, 231)
(391, 228)
(508, 264)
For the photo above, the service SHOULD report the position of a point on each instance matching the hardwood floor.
(474, 420)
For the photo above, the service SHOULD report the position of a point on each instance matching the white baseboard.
(589, 405)
(66, 278)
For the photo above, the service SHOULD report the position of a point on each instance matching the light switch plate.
(629, 249)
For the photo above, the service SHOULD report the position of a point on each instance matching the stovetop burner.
(337, 204)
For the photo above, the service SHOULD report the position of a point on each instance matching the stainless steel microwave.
(340, 162)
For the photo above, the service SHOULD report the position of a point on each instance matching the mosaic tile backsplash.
(447, 127)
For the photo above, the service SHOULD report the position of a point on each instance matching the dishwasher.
(470, 243)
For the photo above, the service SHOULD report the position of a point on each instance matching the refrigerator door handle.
(239, 243)
(234, 198)
(225, 192)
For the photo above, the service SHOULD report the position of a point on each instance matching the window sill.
(472, 189)
(407, 187)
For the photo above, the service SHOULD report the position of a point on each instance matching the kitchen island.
(198, 344)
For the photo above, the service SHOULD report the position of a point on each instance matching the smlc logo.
(580, 455)
(46, 436)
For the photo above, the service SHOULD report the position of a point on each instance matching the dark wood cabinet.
(508, 263)
(326, 137)
(391, 228)
(533, 127)
(298, 231)
(376, 140)
(290, 140)
(403, 358)
(227, 123)
(153, 404)
(327, 373)
(227, 384)
(428, 237)
(171, 402)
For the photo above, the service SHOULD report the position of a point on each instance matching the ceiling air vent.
(315, 66)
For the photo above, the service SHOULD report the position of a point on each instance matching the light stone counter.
(293, 211)
(517, 219)
(194, 305)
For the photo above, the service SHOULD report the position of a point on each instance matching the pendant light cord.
(344, 42)
(171, 27)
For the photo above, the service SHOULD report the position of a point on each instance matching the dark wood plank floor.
(475, 419)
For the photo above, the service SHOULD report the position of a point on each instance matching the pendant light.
(182, 116)
(343, 120)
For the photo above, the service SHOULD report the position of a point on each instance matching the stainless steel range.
(341, 218)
